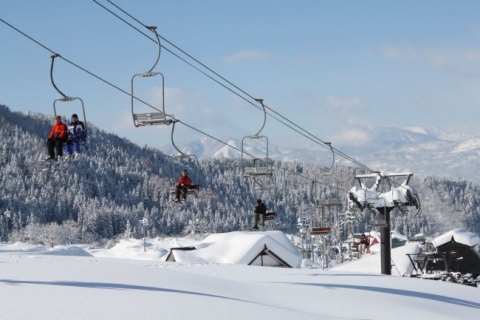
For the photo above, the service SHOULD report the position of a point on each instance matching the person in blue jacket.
(76, 136)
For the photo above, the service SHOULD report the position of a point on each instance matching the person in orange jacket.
(182, 186)
(57, 137)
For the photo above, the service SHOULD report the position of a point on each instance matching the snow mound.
(72, 250)
(21, 247)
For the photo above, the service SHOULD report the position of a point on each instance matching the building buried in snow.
(270, 248)
(461, 249)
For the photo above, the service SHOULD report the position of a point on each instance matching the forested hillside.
(107, 192)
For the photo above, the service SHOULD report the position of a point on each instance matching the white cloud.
(344, 105)
(351, 137)
(460, 61)
(247, 55)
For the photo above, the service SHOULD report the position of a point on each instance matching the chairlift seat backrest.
(151, 118)
(329, 202)
(257, 171)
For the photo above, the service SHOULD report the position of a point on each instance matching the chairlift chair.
(319, 224)
(259, 191)
(65, 98)
(320, 228)
(157, 117)
(183, 161)
(259, 167)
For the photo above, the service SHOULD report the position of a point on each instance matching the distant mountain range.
(425, 152)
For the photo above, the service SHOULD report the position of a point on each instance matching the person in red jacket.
(182, 186)
(57, 137)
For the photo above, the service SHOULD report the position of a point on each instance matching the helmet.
(259, 201)
(74, 116)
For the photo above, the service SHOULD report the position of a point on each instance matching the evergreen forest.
(118, 189)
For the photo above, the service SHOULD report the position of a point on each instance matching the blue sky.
(336, 68)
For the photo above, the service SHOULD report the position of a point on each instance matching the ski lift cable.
(238, 149)
(215, 80)
(188, 55)
(127, 93)
(109, 83)
(74, 64)
(314, 139)
(170, 51)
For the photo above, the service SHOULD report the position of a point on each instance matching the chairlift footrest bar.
(270, 216)
(320, 230)
(330, 202)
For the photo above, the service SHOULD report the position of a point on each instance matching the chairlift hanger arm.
(64, 97)
(51, 74)
(329, 144)
(189, 157)
(182, 154)
(154, 30)
(264, 116)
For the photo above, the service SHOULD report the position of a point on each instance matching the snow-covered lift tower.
(384, 202)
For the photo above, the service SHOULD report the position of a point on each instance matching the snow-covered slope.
(80, 282)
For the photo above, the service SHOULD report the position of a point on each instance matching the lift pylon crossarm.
(400, 196)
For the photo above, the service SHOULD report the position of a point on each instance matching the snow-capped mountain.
(422, 151)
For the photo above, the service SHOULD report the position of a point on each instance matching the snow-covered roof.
(460, 235)
(240, 248)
